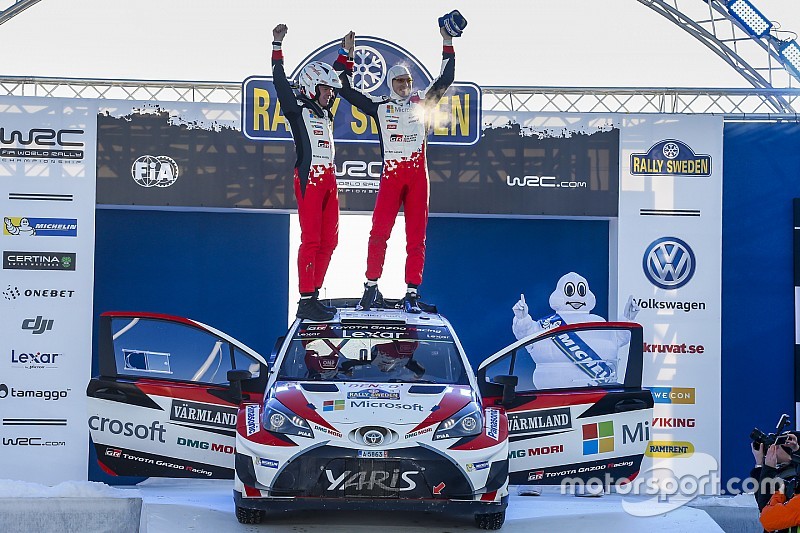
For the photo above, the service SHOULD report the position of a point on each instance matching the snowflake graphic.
(369, 69)
(671, 150)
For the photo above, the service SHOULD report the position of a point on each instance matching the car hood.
(356, 402)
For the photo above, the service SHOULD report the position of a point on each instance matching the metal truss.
(733, 104)
(708, 21)
(15, 9)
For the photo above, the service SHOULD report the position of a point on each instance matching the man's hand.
(520, 308)
(349, 43)
(758, 453)
(631, 309)
(791, 442)
(279, 32)
(772, 456)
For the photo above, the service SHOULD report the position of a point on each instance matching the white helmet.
(317, 73)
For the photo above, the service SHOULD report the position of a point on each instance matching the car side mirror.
(236, 377)
(509, 384)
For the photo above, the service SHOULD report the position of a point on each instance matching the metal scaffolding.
(733, 104)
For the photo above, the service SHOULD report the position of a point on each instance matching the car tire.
(249, 516)
(490, 520)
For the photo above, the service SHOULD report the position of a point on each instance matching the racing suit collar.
(314, 105)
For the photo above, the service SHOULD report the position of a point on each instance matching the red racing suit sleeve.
(780, 515)
(366, 103)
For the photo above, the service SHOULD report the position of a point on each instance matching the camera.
(768, 439)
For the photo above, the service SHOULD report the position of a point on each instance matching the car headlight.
(279, 419)
(465, 423)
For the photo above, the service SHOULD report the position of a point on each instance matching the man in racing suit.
(310, 121)
(403, 128)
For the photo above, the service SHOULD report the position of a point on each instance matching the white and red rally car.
(371, 410)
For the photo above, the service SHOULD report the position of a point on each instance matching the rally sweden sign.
(455, 120)
(671, 157)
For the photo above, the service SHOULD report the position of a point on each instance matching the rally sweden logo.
(668, 263)
(40, 227)
(671, 157)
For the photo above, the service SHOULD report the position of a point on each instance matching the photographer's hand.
(771, 458)
(791, 442)
(758, 453)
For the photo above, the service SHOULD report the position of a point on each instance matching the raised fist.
(279, 32)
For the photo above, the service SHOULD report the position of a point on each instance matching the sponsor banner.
(539, 421)
(669, 260)
(47, 208)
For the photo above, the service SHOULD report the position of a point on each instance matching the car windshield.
(393, 353)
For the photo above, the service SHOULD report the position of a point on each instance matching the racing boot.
(411, 302)
(328, 308)
(311, 309)
(372, 297)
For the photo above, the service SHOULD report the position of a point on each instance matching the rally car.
(371, 410)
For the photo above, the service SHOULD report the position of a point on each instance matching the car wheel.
(490, 520)
(249, 516)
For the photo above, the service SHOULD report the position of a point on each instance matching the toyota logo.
(373, 437)
(668, 263)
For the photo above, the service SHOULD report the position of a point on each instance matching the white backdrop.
(47, 282)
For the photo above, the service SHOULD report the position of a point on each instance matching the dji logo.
(37, 325)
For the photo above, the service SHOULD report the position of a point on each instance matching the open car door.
(163, 404)
(574, 400)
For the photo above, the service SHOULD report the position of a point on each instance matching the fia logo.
(37, 325)
(154, 171)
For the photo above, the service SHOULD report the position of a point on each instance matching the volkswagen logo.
(668, 263)
(373, 437)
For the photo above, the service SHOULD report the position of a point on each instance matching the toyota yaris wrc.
(371, 410)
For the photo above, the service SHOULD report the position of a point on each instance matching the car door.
(162, 405)
(578, 409)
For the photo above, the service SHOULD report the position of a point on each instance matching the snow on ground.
(68, 489)
(172, 505)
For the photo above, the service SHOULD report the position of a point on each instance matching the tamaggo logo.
(154, 171)
(671, 158)
(668, 263)
(40, 227)
(46, 395)
(38, 260)
(673, 394)
(598, 437)
(667, 448)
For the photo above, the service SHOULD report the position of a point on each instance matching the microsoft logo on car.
(598, 437)
(333, 405)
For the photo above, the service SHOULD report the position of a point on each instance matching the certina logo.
(684, 395)
(671, 157)
(13, 292)
(251, 419)
(667, 448)
(668, 263)
(203, 413)
(46, 395)
(38, 261)
(37, 325)
(154, 171)
(539, 421)
(674, 422)
(546, 182)
(202, 445)
(533, 452)
(152, 432)
(674, 348)
(28, 144)
(387, 480)
(34, 360)
(40, 227)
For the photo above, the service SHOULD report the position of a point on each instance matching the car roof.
(349, 315)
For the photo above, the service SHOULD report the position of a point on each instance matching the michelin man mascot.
(557, 365)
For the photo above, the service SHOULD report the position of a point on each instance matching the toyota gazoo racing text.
(375, 410)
